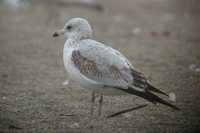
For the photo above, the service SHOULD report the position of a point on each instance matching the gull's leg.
(100, 105)
(92, 100)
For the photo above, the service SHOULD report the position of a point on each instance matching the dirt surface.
(160, 37)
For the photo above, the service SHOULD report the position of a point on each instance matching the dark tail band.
(150, 97)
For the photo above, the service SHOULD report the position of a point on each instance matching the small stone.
(195, 69)
(3, 98)
(136, 31)
(74, 125)
(172, 96)
(65, 83)
(119, 129)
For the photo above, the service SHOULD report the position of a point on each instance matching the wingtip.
(154, 89)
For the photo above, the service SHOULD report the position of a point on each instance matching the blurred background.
(160, 37)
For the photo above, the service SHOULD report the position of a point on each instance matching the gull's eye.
(69, 27)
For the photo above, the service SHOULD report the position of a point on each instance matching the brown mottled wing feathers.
(140, 79)
(84, 65)
(90, 69)
(105, 73)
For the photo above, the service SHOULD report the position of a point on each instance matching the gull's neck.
(82, 33)
(74, 39)
(71, 42)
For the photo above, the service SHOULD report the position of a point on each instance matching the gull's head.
(76, 28)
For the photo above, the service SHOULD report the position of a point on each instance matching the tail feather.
(151, 88)
(150, 97)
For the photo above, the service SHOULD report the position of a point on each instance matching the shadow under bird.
(100, 68)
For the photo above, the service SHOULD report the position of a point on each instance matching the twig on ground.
(14, 127)
(66, 114)
(127, 110)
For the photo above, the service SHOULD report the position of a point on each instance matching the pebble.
(136, 31)
(75, 125)
(195, 69)
(65, 83)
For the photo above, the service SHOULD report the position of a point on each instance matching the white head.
(76, 28)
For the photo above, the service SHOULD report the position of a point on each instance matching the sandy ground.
(160, 37)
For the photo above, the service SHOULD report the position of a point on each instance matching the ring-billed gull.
(100, 68)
